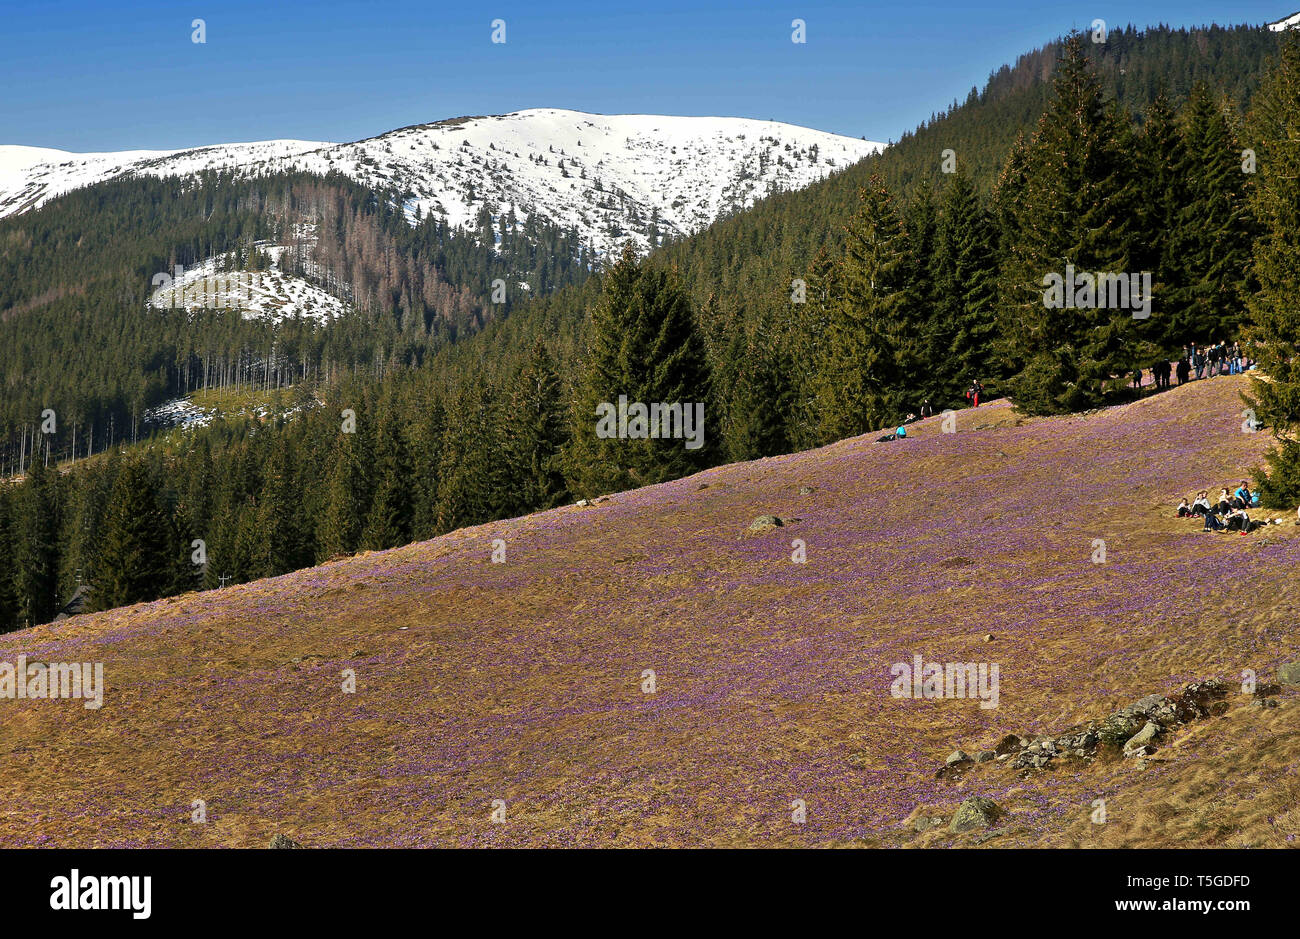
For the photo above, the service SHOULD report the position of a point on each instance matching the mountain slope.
(1287, 22)
(749, 260)
(610, 177)
(31, 176)
(522, 681)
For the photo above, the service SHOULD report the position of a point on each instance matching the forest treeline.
(922, 288)
(77, 334)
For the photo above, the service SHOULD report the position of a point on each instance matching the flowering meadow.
(512, 704)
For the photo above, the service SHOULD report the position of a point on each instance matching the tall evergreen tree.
(1163, 161)
(964, 321)
(282, 546)
(644, 345)
(84, 508)
(806, 344)
(36, 520)
(346, 501)
(471, 473)
(1213, 231)
(859, 379)
(426, 458)
(389, 521)
(1076, 209)
(1275, 307)
(8, 599)
(135, 562)
(761, 399)
(534, 431)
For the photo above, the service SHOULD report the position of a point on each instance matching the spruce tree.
(859, 380)
(761, 399)
(8, 599)
(1076, 208)
(344, 511)
(1163, 161)
(84, 507)
(918, 352)
(281, 547)
(135, 560)
(1274, 134)
(645, 347)
(966, 288)
(36, 520)
(806, 342)
(195, 508)
(534, 431)
(1213, 231)
(471, 479)
(426, 457)
(389, 521)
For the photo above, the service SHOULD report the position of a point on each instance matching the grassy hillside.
(523, 681)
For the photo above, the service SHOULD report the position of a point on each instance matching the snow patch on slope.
(178, 412)
(272, 295)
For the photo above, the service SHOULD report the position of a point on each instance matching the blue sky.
(124, 75)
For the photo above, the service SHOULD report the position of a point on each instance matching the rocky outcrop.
(1135, 730)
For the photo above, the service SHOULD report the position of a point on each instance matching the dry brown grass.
(522, 681)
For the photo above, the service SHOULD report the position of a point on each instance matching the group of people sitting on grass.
(900, 433)
(1227, 513)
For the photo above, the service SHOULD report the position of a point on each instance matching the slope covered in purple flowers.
(526, 681)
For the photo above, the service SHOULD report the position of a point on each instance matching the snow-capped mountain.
(1288, 22)
(611, 177)
(31, 176)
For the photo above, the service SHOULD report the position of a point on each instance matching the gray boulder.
(975, 812)
(283, 841)
(1143, 737)
(1008, 744)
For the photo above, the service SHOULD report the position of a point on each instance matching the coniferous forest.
(817, 315)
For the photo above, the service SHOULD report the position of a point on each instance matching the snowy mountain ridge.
(611, 177)
(1287, 22)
